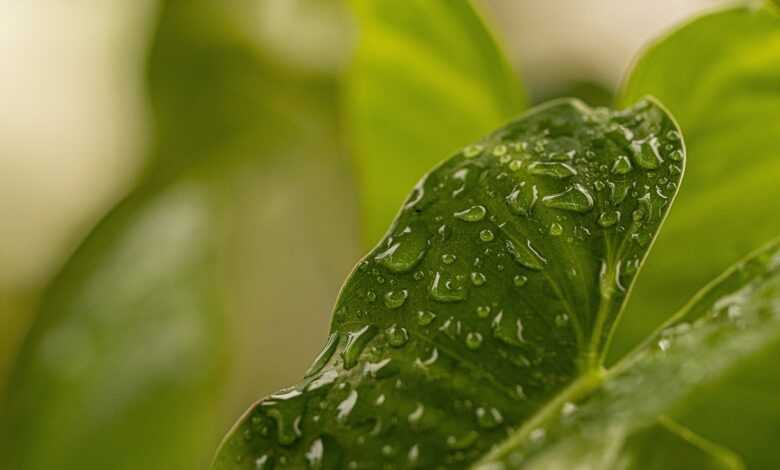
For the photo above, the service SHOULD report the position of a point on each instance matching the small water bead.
(673, 135)
(489, 418)
(515, 165)
(622, 166)
(462, 442)
(472, 214)
(371, 296)
(473, 150)
(408, 249)
(451, 328)
(522, 199)
(504, 330)
(388, 450)
(425, 317)
(618, 191)
(519, 280)
(676, 155)
(500, 150)
(556, 229)
(473, 340)
(324, 356)
(608, 218)
(448, 258)
(264, 463)
(397, 336)
(356, 342)
(554, 169)
(444, 232)
(574, 199)
(396, 298)
(646, 154)
(418, 275)
(314, 454)
(446, 291)
(483, 311)
(486, 235)
(345, 407)
(562, 319)
(414, 454)
(478, 278)
(598, 185)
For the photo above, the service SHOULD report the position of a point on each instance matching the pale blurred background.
(74, 129)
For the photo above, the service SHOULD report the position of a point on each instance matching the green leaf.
(718, 75)
(427, 79)
(491, 297)
(126, 364)
(734, 320)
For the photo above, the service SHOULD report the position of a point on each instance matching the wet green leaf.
(718, 75)
(492, 295)
(731, 322)
(427, 79)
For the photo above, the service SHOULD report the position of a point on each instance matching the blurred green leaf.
(127, 363)
(492, 295)
(733, 320)
(427, 79)
(720, 77)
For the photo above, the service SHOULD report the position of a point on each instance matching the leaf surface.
(491, 297)
(427, 79)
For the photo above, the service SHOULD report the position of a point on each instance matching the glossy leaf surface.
(734, 319)
(427, 79)
(726, 101)
(493, 293)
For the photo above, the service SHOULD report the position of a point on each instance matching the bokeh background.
(101, 98)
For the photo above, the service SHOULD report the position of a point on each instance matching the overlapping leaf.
(491, 296)
(427, 79)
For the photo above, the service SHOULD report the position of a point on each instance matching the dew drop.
(396, 298)
(314, 454)
(478, 278)
(646, 154)
(608, 218)
(462, 442)
(324, 356)
(446, 291)
(486, 235)
(345, 407)
(472, 151)
(556, 229)
(554, 169)
(515, 165)
(499, 150)
(676, 155)
(451, 328)
(575, 199)
(520, 280)
(448, 258)
(472, 214)
(622, 166)
(425, 317)
(526, 255)
(489, 418)
(483, 311)
(473, 340)
(416, 415)
(397, 336)
(406, 252)
(522, 199)
(356, 342)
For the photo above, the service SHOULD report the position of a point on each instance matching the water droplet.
(511, 334)
(554, 169)
(473, 340)
(414, 454)
(622, 166)
(397, 336)
(608, 218)
(396, 298)
(556, 229)
(618, 191)
(568, 409)
(483, 311)
(446, 291)
(406, 252)
(288, 421)
(520, 280)
(562, 319)
(646, 154)
(324, 356)
(537, 436)
(515, 165)
(472, 151)
(664, 344)
(575, 199)
(345, 407)
(676, 155)
(489, 418)
(472, 214)
(486, 235)
(478, 278)
(499, 150)
(416, 415)
(673, 135)
(314, 454)
(380, 370)
(448, 258)
(371, 296)
(264, 462)
(526, 255)
(462, 442)
(424, 317)
(356, 342)
(451, 328)
(522, 199)
(388, 450)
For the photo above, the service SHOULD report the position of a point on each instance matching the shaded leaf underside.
(492, 295)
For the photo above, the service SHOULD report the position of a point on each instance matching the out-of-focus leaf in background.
(427, 79)
(128, 362)
(720, 77)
